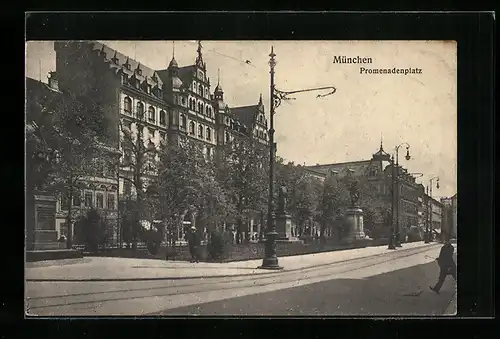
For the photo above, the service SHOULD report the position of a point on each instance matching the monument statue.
(354, 192)
(282, 199)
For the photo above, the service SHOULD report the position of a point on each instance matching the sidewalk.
(127, 269)
(451, 310)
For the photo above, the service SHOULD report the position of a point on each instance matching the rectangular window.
(64, 203)
(111, 201)
(88, 199)
(99, 198)
(76, 199)
(151, 132)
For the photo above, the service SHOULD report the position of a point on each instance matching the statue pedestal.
(44, 233)
(354, 216)
(283, 224)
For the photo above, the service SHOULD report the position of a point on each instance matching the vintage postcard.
(241, 178)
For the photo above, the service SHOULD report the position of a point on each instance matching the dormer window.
(154, 78)
(138, 71)
(127, 66)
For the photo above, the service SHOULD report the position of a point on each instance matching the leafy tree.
(69, 130)
(376, 206)
(138, 168)
(304, 191)
(187, 181)
(333, 205)
(243, 173)
(93, 230)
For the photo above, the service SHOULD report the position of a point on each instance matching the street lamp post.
(392, 237)
(407, 157)
(270, 260)
(429, 188)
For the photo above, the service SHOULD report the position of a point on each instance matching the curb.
(216, 276)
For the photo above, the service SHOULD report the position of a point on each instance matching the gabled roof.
(111, 53)
(185, 74)
(245, 114)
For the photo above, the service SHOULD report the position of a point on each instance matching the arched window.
(151, 114)
(200, 90)
(206, 110)
(200, 107)
(127, 105)
(200, 131)
(191, 127)
(209, 133)
(162, 118)
(140, 110)
(183, 121)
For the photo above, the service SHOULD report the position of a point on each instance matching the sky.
(418, 109)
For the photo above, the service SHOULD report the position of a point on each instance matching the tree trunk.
(238, 231)
(69, 240)
(322, 227)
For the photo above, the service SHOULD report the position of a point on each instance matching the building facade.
(435, 217)
(175, 103)
(449, 217)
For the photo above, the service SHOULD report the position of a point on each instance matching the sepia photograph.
(241, 178)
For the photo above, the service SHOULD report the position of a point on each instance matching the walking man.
(193, 243)
(446, 264)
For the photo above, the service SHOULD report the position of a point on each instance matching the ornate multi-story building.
(154, 105)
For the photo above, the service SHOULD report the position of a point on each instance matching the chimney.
(53, 81)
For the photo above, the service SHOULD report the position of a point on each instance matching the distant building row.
(415, 206)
